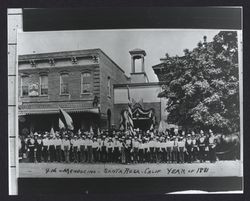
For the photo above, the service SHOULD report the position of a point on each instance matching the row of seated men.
(124, 149)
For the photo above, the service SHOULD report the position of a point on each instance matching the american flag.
(130, 125)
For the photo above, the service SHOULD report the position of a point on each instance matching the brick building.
(87, 84)
(80, 82)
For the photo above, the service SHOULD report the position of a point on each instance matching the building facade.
(80, 82)
(88, 85)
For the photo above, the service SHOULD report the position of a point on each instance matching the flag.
(66, 119)
(91, 130)
(52, 132)
(129, 113)
(61, 125)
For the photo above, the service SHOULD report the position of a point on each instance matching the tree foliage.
(203, 87)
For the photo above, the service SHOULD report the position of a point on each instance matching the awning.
(56, 111)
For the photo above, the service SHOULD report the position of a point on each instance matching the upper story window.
(109, 87)
(86, 81)
(44, 85)
(25, 85)
(64, 83)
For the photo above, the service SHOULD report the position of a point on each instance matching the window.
(86, 81)
(109, 87)
(64, 83)
(44, 85)
(25, 85)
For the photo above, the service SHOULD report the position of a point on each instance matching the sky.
(117, 43)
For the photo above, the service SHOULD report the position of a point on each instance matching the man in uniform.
(110, 150)
(157, 149)
(95, 147)
(151, 145)
(81, 141)
(31, 149)
(141, 151)
(181, 148)
(146, 150)
(89, 144)
(75, 146)
(128, 146)
(195, 149)
(123, 151)
(135, 148)
(38, 147)
(202, 144)
(45, 147)
(103, 149)
(51, 149)
(175, 149)
(58, 144)
(66, 147)
(169, 148)
(189, 148)
(212, 146)
(117, 147)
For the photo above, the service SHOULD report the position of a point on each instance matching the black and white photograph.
(129, 103)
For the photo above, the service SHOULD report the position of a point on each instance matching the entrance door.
(142, 124)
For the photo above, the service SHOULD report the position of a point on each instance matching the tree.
(202, 86)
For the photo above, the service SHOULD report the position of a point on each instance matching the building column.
(142, 65)
(132, 65)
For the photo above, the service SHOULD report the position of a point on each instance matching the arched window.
(64, 84)
(25, 85)
(86, 81)
(44, 84)
(109, 87)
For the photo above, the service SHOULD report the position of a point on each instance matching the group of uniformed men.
(120, 147)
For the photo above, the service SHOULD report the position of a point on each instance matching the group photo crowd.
(125, 147)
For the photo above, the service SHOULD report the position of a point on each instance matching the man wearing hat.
(195, 148)
(202, 144)
(169, 148)
(123, 154)
(212, 146)
(38, 147)
(189, 148)
(141, 151)
(157, 149)
(75, 144)
(52, 149)
(31, 149)
(181, 148)
(110, 150)
(146, 151)
(128, 147)
(82, 148)
(117, 147)
(89, 144)
(99, 141)
(95, 147)
(135, 148)
(175, 149)
(103, 149)
(45, 147)
(152, 145)
(66, 147)
(58, 144)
